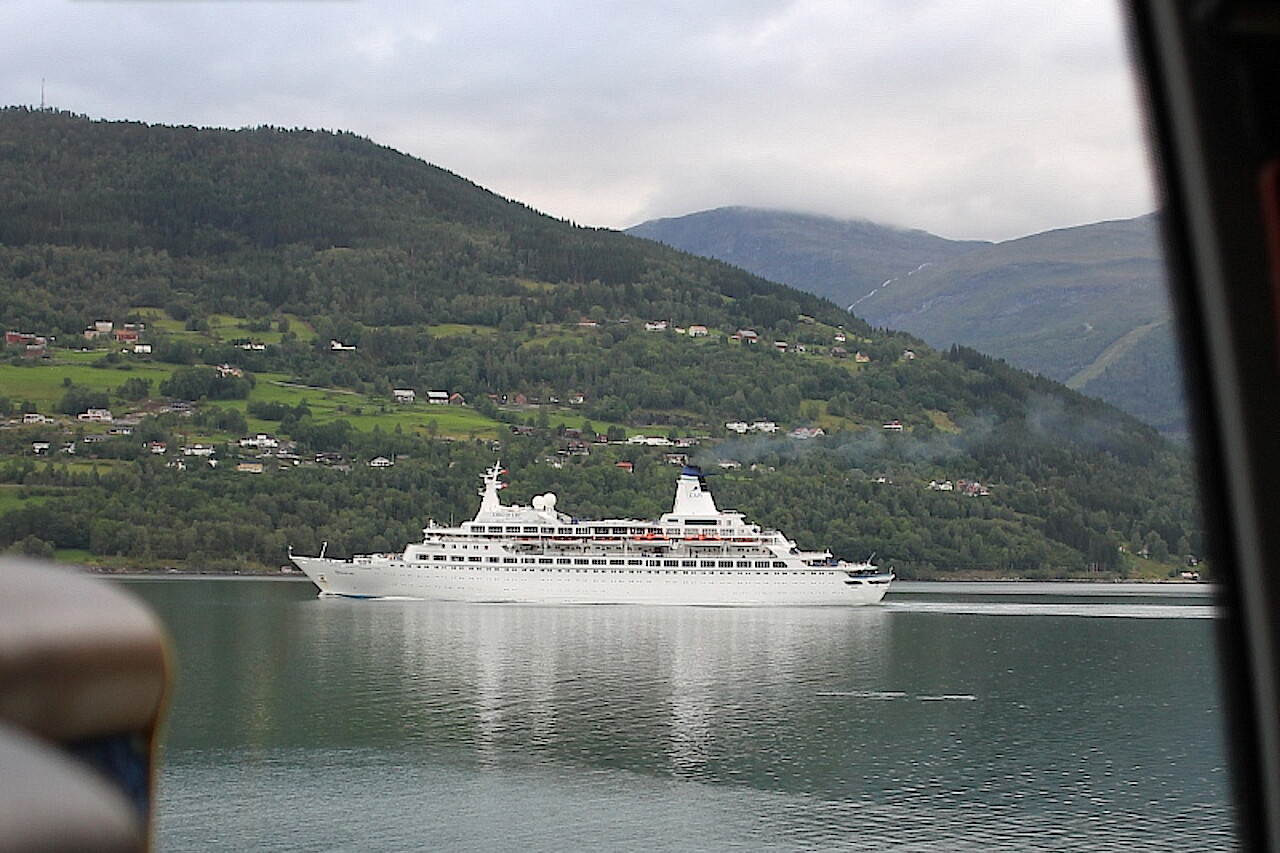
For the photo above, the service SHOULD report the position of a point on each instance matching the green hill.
(286, 282)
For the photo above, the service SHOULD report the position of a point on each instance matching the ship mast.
(489, 502)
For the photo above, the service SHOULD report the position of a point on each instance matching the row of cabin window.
(689, 564)
(453, 546)
(597, 531)
(631, 571)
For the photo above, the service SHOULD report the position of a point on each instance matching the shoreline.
(198, 576)
(1004, 582)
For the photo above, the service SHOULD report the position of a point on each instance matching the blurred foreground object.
(83, 679)
(1210, 72)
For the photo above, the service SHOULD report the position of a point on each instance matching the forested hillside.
(249, 222)
(263, 314)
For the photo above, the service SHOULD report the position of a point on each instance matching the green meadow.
(45, 384)
(365, 413)
(15, 497)
(453, 330)
(226, 327)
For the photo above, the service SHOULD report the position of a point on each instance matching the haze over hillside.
(1084, 305)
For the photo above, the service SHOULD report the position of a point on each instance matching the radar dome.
(539, 501)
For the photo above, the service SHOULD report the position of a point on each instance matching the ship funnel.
(692, 496)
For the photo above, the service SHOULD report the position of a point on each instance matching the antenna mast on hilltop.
(41, 94)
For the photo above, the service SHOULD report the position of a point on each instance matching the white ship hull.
(694, 555)
(380, 577)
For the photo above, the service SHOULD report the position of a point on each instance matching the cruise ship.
(696, 554)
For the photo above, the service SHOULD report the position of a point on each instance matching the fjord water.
(958, 717)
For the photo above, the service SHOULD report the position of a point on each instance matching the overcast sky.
(967, 118)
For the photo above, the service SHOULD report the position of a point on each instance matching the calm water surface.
(958, 717)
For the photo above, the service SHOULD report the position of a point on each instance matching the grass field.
(225, 327)
(364, 413)
(453, 330)
(13, 497)
(45, 384)
(86, 356)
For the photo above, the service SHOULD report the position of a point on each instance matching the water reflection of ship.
(657, 689)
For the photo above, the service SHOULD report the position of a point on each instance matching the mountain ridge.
(1064, 303)
(787, 246)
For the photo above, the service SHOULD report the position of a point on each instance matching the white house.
(737, 426)
(97, 415)
(440, 398)
(764, 426)
(380, 462)
(404, 395)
